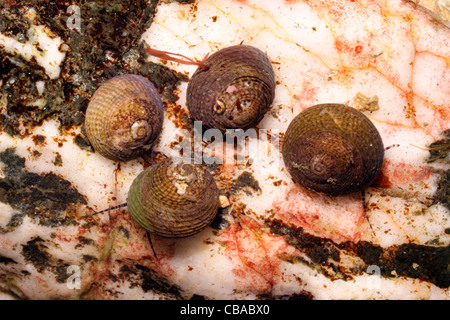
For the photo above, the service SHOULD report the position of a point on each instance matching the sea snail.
(173, 200)
(232, 89)
(124, 117)
(333, 149)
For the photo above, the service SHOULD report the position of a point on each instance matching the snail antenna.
(149, 237)
(106, 210)
(176, 57)
(363, 197)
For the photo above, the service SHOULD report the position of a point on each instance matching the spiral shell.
(124, 117)
(173, 199)
(233, 89)
(332, 148)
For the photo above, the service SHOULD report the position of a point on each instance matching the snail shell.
(173, 200)
(332, 148)
(124, 117)
(233, 89)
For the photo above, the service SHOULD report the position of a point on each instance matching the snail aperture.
(173, 199)
(232, 89)
(124, 117)
(332, 148)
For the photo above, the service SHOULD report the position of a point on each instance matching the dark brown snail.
(332, 148)
(124, 117)
(232, 89)
(173, 200)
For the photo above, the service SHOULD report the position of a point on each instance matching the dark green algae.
(423, 262)
(107, 44)
(440, 151)
(44, 197)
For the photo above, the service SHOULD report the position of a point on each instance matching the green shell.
(233, 90)
(333, 148)
(173, 200)
(124, 117)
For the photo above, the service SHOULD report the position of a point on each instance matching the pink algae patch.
(337, 218)
(353, 53)
(309, 92)
(401, 174)
(255, 254)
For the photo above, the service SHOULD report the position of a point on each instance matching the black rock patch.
(44, 197)
(411, 260)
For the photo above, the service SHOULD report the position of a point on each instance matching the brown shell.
(173, 200)
(332, 148)
(233, 90)
(124, 117)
